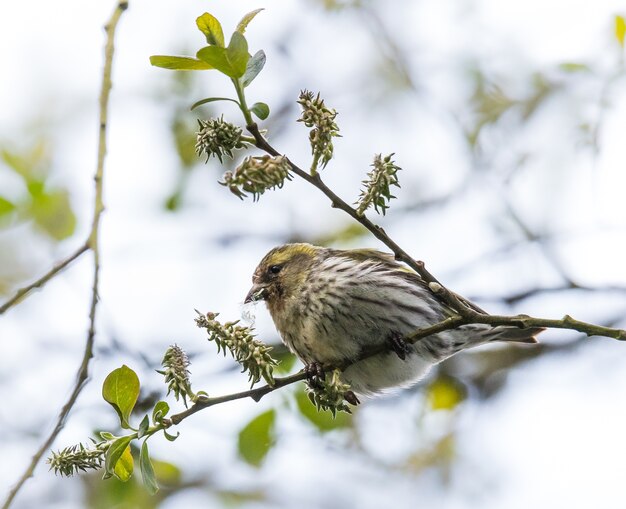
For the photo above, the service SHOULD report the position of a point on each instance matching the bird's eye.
(275, 269)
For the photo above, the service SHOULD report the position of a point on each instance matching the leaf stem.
(243, 105)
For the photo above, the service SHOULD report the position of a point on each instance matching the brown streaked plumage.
(329, 305)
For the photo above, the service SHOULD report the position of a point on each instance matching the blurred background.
(509, 121)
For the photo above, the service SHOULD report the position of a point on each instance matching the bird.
(331, 305)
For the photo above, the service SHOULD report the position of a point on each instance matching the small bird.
(331, 305)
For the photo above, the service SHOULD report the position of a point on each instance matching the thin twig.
(92, 244)
(522, 295)
(39, 283)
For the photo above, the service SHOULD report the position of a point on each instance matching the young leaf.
(171, 438)
(105, 435)
(237, 53)
(210, 100)
(255, 64)
(143, 427)
(216, 58)
(121, 390)
(125, 465)
(211, 28)
(261, 110)
(160, 410)
(243, 24)
(257, 438)
(113, 455)
(179, 63)
(147, 470)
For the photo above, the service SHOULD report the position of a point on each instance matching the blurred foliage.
(286, 360)
(445, 393)
(132, 494)
(182, 131)
(490, 101)
(34, 199)
(257, 438)
(347, 233)
(620, 29)
(440, 455)
(337, 5)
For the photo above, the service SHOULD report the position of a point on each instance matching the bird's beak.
(257, 292)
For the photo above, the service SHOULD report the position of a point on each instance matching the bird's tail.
(513, 334)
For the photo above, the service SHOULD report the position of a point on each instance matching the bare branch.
(39, 283)
(92, 244)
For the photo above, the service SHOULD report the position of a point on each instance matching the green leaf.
(620, 29)
(105, 435)
(243, 24)
(125, 465)
(118, 449)
(210, 100)
(216, 57)
(52, 212)
(147, 470)
(254, 67)
(237, 53)
(171, 438)
(323, 421)
(160, 410)
(6, 207)
(179, 63)
(143, 427)
(121, 390)
(261, 110)
(257, 438)
(211, 28)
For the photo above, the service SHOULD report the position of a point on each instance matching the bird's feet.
(399, 345)
(315, 375)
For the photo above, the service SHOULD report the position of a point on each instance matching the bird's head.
(282, 273)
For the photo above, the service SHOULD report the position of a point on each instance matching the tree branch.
(39, 283)
(91, 244)
(453, 322)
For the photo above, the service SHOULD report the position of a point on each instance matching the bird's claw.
(399, 345)
(351, 398)
(314, 373)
